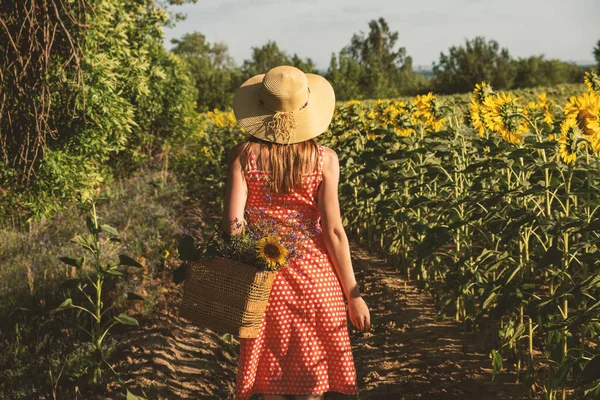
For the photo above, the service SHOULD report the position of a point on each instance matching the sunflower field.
(490, 202)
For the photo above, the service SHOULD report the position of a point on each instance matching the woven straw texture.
(285, 89)
(226, 296)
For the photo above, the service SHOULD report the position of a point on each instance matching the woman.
(303, 348)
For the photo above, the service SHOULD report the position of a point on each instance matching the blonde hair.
(286, 162)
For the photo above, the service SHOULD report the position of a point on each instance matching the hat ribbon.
(282, 123)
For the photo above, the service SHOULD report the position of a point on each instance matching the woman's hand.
(359, 314)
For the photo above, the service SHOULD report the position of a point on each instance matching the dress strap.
(321, 158)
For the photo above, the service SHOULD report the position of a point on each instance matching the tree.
(269, 56)
(597, 55)
(344, 74)
(174, 17)
(215, 74)
(479, 60)
(536, 71)
(307, 66)
(374, 63)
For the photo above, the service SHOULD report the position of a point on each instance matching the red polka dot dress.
(303, 346)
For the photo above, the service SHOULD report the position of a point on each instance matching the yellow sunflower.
(481, 91)
(500, 114)
(567, 149)
(592, 81)
(428, 111)
(541, 109)
(272, 251)
(389, 114)
(544, 103)
(403, 131)
(400, 106)
(476, 117)
(585, 110)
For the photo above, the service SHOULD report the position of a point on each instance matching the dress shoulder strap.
(321, 158)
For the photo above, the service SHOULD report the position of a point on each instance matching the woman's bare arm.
(336, 240)
(236, 194)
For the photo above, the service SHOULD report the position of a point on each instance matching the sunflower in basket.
(272, 252)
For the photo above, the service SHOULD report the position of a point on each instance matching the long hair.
(286, 162)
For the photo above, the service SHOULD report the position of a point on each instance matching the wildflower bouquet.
(263, 242)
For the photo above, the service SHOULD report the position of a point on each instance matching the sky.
(567, 30)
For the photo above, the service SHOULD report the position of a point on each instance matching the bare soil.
(409, 353)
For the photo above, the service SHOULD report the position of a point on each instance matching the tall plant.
(98, 318)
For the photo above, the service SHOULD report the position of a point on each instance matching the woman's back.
(288, 209)
(304, 331)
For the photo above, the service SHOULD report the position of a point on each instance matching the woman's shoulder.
(329, 156)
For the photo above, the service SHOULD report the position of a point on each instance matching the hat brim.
(311, 121)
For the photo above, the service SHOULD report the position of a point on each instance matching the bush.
(478, 60)
(109, 89)
(536, 71)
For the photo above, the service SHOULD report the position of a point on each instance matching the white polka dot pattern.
(303, 346)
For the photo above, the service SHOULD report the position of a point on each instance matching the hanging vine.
(41, 46)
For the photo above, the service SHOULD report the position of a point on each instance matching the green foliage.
(169, 112)
(344, 74)
(40, 72)
(536, 71)
(211, 68)
(270, 55)
(596, 53)
(372, 67)
(93, 304)
(119, 101)
(478, 60)
(174, 17)
(502, 235)
(201, 157)
(39, 349)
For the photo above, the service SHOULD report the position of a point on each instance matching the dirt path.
(410, 355)
(407, 355)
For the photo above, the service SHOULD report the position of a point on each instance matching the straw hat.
(285, 105)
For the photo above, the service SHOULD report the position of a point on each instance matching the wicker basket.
(226, 296)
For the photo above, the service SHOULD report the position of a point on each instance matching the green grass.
(37, 347)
